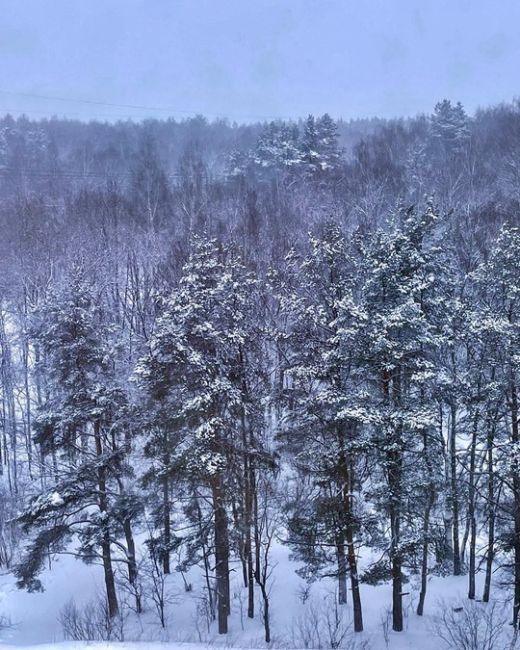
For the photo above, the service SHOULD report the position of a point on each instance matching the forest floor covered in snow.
(35, 617)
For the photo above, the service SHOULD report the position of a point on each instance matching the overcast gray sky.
(255, 59)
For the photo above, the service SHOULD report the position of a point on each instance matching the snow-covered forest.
(260, 383)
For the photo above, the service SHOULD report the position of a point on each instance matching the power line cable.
(72, 173)
(139, 107)
(50, 115)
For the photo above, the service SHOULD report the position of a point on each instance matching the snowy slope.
(35, 615)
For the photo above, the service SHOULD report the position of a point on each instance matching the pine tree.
(401, 300)
(328, 147)
(80, 425)
(193, 374)
(310, 144)
(320, 151)
(448, 149)
(277, 149)
(327, 409)
(497, 326)
(449, 126)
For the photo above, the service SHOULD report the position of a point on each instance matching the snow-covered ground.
(34, 616)
(69, 645)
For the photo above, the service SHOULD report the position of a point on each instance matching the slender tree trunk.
(464, 541)
(490, 556)
(248, 544)
(249, 483)
(113, 607)
(166, 525)
(447, 512)
(166, 509)
(354, 581)
(6, 459)
(342, 570)
(394, 456)
(28, 411)
(256, 527)
(425, 549)
(395, 560)
(265, 527)
(346, 474)
(515, 439)
(430, 500)
(110, 585)
(14, 435)
(267, 624)
(205, 560)
(39, 401)
(454, 492)
(471, 509)
(132, 562)
(10, 425)
(221, 555)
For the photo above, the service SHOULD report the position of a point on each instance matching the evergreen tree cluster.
(272, 336)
